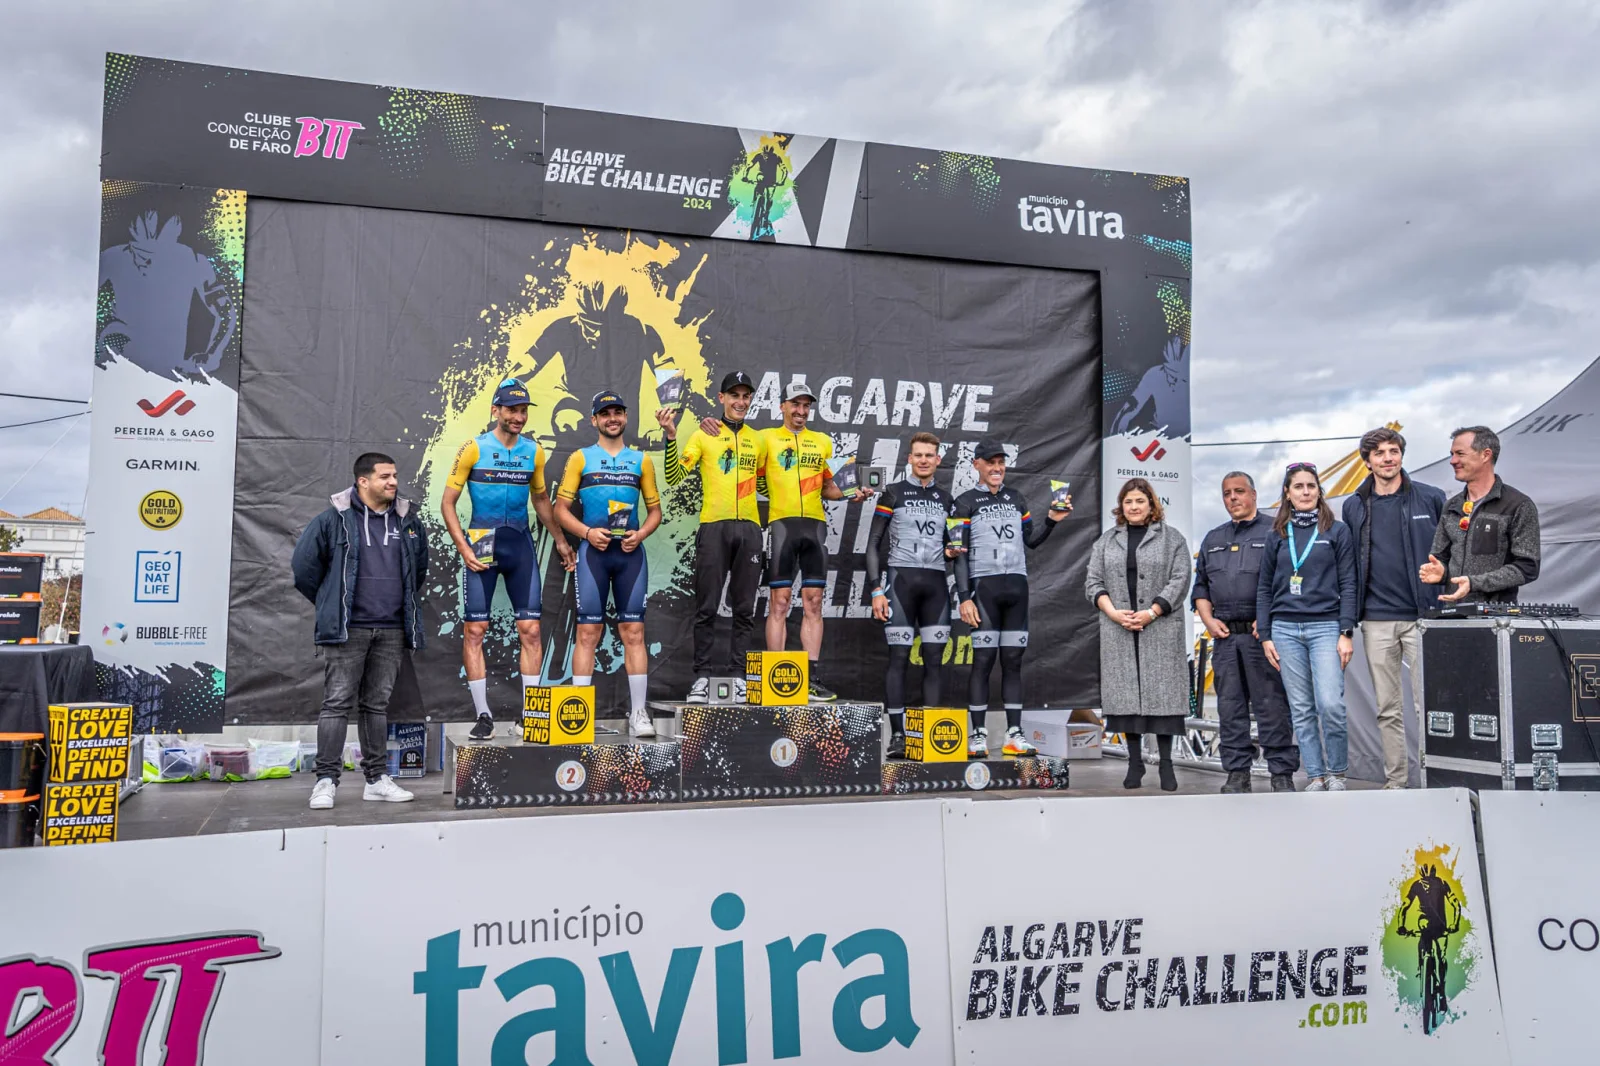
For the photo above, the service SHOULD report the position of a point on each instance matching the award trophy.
(481, 541)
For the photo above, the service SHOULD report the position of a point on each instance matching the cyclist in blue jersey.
(611, 483)
(501, 471)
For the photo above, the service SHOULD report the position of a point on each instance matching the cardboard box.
(558, 714)
(89, 742)
(936, 734)
(81, 813)
(1063, 734)
(777, 678)
(408, 743)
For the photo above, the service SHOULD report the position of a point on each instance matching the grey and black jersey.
(995, 528)
(908, 530)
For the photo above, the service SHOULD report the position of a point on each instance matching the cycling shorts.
(1002, 601)
(919, 605)
(613, 572)
(799, 553)
(514, 559)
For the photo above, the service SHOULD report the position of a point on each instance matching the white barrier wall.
(917, 931)
(1542, 853)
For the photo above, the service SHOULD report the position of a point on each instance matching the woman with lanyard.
(1306, 615)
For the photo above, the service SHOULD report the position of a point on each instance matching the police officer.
(1225, 599)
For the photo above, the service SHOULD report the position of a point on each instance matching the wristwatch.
(1347, 633)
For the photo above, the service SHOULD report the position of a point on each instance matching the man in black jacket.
(1392, 519)
(1226, 571)
(361, 562)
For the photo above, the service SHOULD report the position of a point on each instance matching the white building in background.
(55, 534)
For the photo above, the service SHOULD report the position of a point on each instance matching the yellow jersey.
(794, 472)
(729, 461)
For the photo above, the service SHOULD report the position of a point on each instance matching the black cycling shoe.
(483, 729)
(821, 693)
(897, 746)
(1238, 781)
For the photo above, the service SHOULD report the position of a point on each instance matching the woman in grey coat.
(1138, 577)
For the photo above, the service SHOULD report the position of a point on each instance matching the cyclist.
(728, 543)
(992, 528)
(771, 174)
(910, 593)
(610, 482)
(501, 470)
(1438, 915)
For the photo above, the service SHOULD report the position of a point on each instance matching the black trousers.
(725, 551)
(1245, 681)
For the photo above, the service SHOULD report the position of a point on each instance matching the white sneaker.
(739, 692)
(1316, 784)
(700, 691)
(639, 724)
(386, 791)
(978, 744)
(322, 794)
(1336, 783)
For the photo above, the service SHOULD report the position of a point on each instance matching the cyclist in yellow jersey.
(796, 478)
(728, 455)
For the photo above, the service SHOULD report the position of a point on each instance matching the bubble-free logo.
(573, 714)
(115, 633)
(784, 679)
(945, 737)
(160, 509)
(1429, 949)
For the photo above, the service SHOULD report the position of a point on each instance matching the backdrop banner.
(1298, 942)
(370, 329)
(753, 935)
(1542, 854)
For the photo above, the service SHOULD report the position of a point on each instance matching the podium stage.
(725, 752)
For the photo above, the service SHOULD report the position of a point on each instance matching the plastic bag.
(229, 762)
(273, 758)
(169, 759)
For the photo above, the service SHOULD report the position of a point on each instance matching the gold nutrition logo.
(573, 714)
(160, 509)
(784, 680)
(945, 736)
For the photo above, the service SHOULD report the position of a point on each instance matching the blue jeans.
(1314, 681)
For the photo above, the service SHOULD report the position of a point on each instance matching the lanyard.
(1297, 559)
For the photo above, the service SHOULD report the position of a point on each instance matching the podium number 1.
(784, 752)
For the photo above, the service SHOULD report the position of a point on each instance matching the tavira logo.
(1064, 215)
(652, 1032)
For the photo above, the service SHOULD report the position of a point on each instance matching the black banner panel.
(371, 329)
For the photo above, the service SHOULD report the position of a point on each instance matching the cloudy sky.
(1395, 202)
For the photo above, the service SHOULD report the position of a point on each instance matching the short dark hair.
(1382, 435)
(1483, 439)
(367, 462)
(923, 437)
(1248, 480)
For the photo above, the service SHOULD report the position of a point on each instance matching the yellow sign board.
(80, 814)
(89, 742)
(558, 714)
(777, 678)
(936, 734)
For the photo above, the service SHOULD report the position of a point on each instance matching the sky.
(1394, 201)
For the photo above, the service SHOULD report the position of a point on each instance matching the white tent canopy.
(1550, 455)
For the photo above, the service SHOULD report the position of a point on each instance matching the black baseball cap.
(735, 379)
(510, 393)
(988, 448)
(607, 398)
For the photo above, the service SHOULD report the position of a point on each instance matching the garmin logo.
(162, 464)
(1059, 214)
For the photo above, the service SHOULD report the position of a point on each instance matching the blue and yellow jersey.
(728, 461)
(794, 473)
(605, 485)
(498, 479)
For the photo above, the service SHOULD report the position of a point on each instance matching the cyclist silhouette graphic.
(1438, 915)
(153, 283)
(771, 173)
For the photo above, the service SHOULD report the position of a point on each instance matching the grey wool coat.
(1156, 681)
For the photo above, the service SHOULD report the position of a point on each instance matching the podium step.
(975, 775)
(743, 752)
(505, 772)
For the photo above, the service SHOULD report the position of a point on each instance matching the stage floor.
(203, 807)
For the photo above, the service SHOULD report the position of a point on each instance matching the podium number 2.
(784, 752)
(570, 775)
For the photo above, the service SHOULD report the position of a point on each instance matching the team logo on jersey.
(726, 461)
(786, 458)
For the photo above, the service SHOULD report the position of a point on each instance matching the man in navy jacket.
(1392, 519)
(361, 562)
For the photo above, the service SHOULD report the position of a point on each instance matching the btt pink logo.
(330, 136)
(55, 992)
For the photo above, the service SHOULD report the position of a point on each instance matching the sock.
(1013, 717)
(638, 684)
(897, 721)
(581, 680)
(976, 717)
(480, 696)
(530, 680)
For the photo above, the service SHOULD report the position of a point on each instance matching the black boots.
(1238, 781)
(1169, 776)
(1283, 782)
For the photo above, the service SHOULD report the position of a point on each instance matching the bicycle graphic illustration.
(1438, 917)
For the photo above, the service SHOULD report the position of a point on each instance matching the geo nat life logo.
(1430, 951)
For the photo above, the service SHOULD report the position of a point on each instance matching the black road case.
(1511, 703)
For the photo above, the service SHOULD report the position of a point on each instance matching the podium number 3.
(784, 752)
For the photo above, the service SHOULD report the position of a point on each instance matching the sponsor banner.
(312, 139)
(781, 933)
(1162, 461)
(1542, 856)
(161, 450)
(1325, 950)
(198, 948)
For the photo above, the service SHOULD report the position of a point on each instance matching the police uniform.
(1225, 573)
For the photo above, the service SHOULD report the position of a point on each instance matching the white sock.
(582, 680)
(530, 680)
(637, 684)
(480, 696)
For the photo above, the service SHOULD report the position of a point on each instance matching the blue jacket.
(1423, 506)
(325, 567)
(1328, 580)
